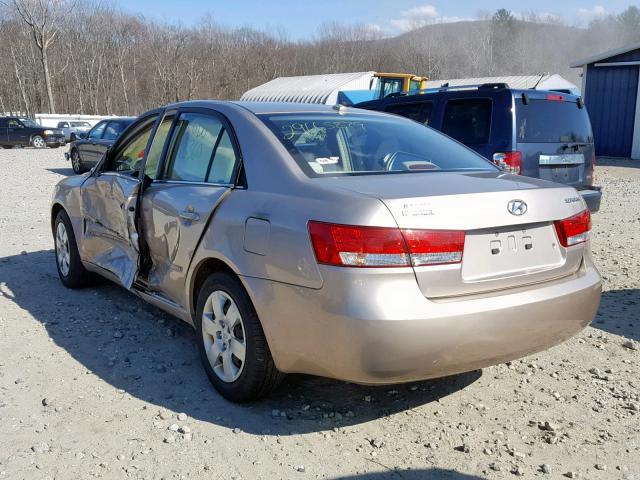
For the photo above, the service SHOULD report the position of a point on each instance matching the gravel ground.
(96, 383)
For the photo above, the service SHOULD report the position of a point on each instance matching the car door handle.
(191, 216)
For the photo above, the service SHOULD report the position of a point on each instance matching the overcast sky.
(300, 19)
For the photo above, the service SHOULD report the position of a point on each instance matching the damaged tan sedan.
(328, 241)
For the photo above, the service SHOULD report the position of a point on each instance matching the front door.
(18, 134)
(199, 170)
(3, 132)
(88, 147)
(109, 203)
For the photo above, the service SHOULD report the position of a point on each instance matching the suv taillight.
(510, 162)
(574, 230)
(358, 246)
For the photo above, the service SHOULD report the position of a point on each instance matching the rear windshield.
(80, 124)
(356, 144)
(552, 121)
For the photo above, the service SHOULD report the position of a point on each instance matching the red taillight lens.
(356, 246)
(574, 230)
(432, 247)
(510, 162)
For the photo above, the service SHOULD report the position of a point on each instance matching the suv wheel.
(76, 163)
(38, 142)
(231, 342)
(70, 269)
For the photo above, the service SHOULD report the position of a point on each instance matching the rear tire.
(70, 269)
(76, 162)
(7, 146)
(38, 142)
(231, 343)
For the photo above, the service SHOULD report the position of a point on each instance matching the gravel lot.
(96, 383)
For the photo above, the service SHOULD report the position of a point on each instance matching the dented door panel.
(110, 237)
(174, 216)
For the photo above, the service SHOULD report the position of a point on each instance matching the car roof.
(259, 108)
(469, 93)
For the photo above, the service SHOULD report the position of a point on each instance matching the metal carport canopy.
(309, 88)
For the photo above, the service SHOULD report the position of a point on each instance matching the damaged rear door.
(200, 166)
(110, 202)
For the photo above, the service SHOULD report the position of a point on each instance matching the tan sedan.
(328, 241)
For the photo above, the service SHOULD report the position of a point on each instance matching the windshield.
(27, 122)
(81, 124)
(356, 144)
(552, 121)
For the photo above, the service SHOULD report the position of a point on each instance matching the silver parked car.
(329, 241)
(74, 129)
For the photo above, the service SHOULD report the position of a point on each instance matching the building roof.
(604, 55)
(544, 81)
(308, 88)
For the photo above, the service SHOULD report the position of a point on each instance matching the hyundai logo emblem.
(517, 207)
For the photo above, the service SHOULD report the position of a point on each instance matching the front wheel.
(231, 342)
(70, 269)
(38, 142)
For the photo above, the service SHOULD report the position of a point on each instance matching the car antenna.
(538, 82)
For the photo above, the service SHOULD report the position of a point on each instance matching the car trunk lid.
(501, 250)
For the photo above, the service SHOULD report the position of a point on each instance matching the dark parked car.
(543, 134)
(86, 152)
(25, 132)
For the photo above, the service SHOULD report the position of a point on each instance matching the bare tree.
(42, 16)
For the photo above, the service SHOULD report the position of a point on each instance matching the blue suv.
(543, 134)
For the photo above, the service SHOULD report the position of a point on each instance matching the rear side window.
(468, 120)
(420, 112)
(201, 150)
(3, 122)
(552, 121)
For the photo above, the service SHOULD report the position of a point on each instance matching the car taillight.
(555, 98)
(434, 247)
(510, 162)
(358, 246)
(574, 230)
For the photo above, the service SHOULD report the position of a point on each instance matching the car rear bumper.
(361, 328)
(592, 197)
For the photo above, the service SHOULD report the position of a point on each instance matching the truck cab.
(392, 83)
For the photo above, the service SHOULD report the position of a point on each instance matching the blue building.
(611, 91)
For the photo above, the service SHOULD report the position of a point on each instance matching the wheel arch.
(55, 209)
(200, 273)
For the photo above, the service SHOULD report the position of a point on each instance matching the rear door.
(201, 161)
(468, 120)
(417, 111)
(109, 200)
(554, 137)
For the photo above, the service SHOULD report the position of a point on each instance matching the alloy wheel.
(224, 337)
(63, 254)
(38, 142)
(75, 161)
